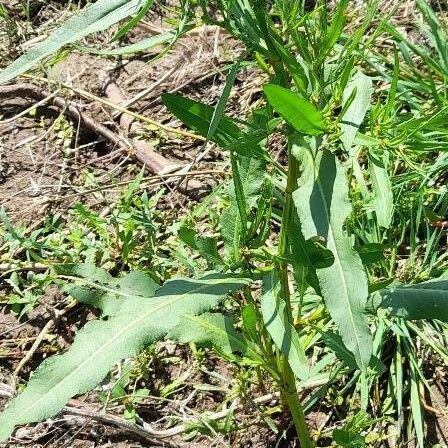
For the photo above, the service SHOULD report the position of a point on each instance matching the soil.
(46, 161)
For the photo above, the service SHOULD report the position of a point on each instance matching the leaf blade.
(302, 115)
(102, 343)
(93, 18)
(282, 332)
(322, 205)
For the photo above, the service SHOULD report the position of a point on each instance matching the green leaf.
(348, 439)
(335, 30)
(250, 320)
(383, 199)
(361, 86)
(198, 116)
(322, 205)
(302, 115)
(102, 295)
(282, 332)
(138, 47)
(101, 343)
(251, 179)
(218, 111)
(371, 252)
(334, 342)
(205, 245)
(427, 300)
(133, 22)
(93, 18)
(213, 330)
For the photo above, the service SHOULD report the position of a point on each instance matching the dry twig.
(146, 156)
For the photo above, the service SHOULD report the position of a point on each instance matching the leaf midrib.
(341, 271)
(109, 341)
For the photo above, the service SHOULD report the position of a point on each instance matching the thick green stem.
(291, 397)
(289, 389)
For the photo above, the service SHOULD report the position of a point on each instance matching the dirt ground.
(49, 161)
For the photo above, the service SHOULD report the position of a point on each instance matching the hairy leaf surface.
(322, 205)
(101, 343)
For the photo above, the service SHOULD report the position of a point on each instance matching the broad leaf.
(101, 290)
(93, 18)
(282, 332)
(322, 205)
(302, 115)
(371, 252)
(213, 330)
(356, 102)
(427, 300)
(199, 117)
(101, 343)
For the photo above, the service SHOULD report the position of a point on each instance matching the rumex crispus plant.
(314, 279)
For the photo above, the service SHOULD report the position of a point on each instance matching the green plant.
(314, 279)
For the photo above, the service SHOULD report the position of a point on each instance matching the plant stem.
(289, 389)
(290, 395)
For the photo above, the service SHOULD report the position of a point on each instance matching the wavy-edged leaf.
(302, 115)
(427, 300)
(322, 205)
(282, 332)
(99, 289)
(101, 343)
(356, 102)
(93, 18)
(213, 330)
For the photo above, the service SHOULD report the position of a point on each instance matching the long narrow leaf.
(357, 109)
(93, 18)
(427, 300)
(101, 343)
(282, 332)
(322, 206)
(222, 102)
